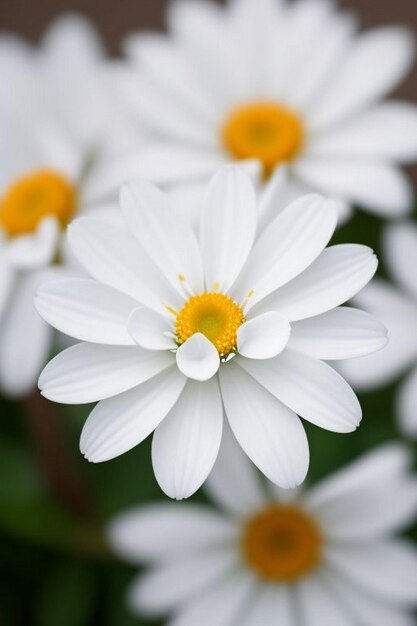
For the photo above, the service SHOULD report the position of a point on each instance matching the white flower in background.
(51, 169)
(179, 329)
(396, 306)
(284, 83)
(65, 78)
(320, 557)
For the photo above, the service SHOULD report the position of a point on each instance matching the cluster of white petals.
(145, 272)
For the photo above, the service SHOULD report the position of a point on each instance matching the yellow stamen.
(263, 130)
(216, 316)
(282, 543)
(41, 194)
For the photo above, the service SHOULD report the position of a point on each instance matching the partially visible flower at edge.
(396, 306)
(55, 163)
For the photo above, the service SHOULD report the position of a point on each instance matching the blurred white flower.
(284, 83)
(397, 308)
(55, 163)
(319, 557)
(178, 329)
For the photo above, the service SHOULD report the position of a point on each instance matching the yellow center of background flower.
(282, 543)
(216, 316)
(266, 131)
(43, 193)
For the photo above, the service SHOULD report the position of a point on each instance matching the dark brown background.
(114, 18)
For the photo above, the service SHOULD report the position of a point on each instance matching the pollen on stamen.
(246, 299)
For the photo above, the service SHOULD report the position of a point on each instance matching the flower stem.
(65, 481)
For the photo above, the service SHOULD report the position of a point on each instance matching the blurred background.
(55, 568)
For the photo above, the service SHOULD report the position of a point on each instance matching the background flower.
(397, 307)
(285, 83)
(58, 160)
(268, 555)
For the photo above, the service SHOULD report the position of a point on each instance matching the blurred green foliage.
(54, 567)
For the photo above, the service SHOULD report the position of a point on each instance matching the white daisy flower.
(284, 83)
(177, 330)
(396, 306)
(323, 556)
(51, 170)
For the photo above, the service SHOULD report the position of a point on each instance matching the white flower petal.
(287, 247)
(370, 498)
(337, 275)
(365, 608)
(352, 88)
(27, 252)
(150, 330)
(256, 30)
(7, 277)
(227, 226)
(161, 162)
(386, 569)
(166, 532)
(169, 241)
(85, 309)
(111, 255)
(171, 113)
(273, 197)
(166, 66)
(263, 336)
(185, 445)
(223, 604)
(398, 313)
(168, 586)
(310, 388)
(389, 194)
(25, 339)
(378, 467)
(406, 405)
(387, 131)
(315, 600)
(367, 514)
(400, 248)
(198, 358)
(305, 33)
(120, 423)
(202, 33)
(328, 45)
(275, 439)
(72, 37)
(341, 333)
(234, 484)
(272, 605)
(88, 372)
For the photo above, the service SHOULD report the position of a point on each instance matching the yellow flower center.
(263, 130)
(216, 316)
(40, 194)
(282, 543)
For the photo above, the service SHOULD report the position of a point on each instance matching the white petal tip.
(198, 358)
